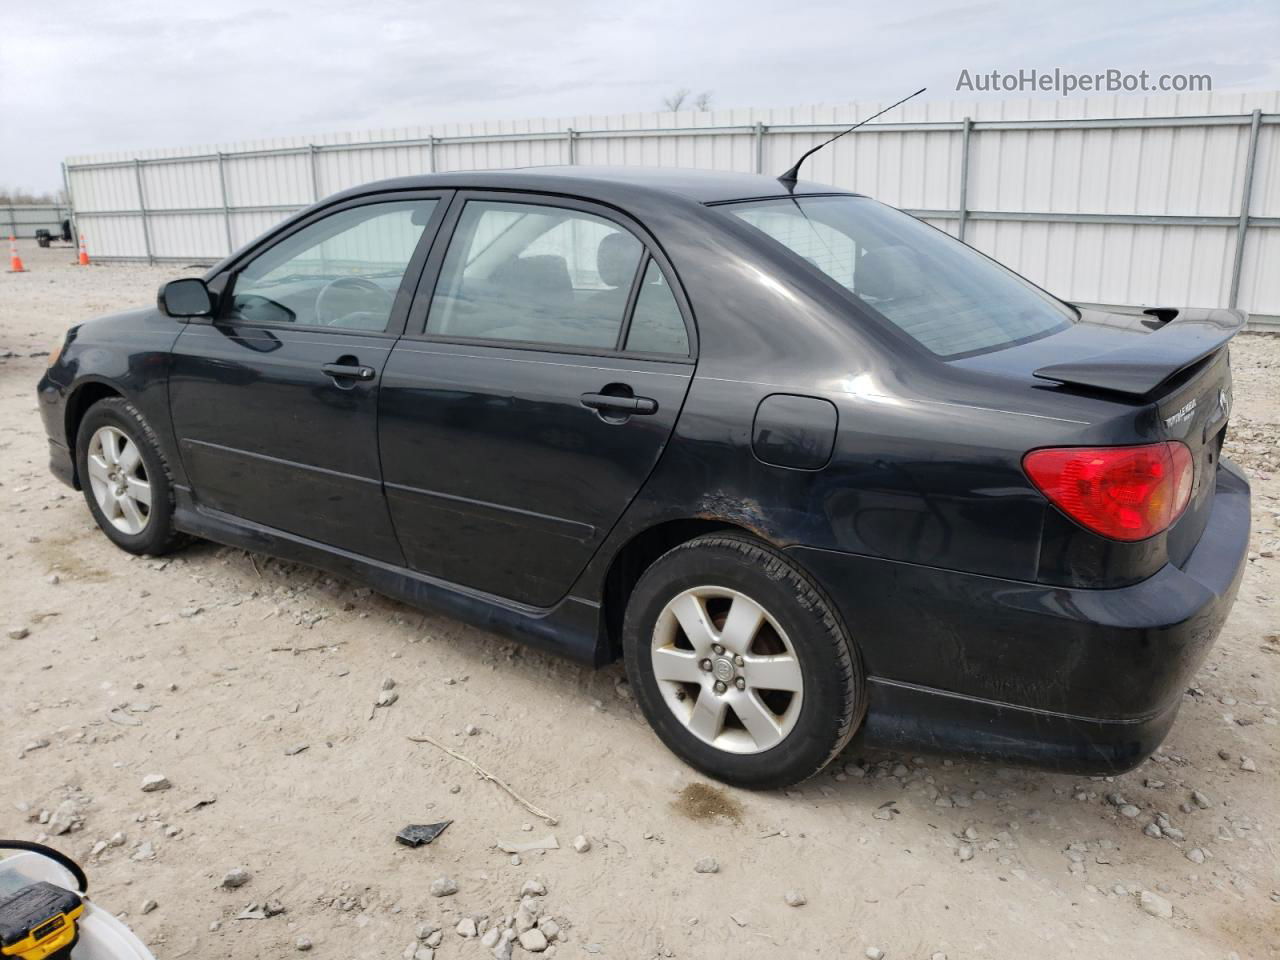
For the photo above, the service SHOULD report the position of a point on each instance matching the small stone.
(18, 633)
(1248, 765)
(386, 698)
(64, 818)
(965, 852)
(795, 898)
(1200, 800)
(153, 782)
(388, 684)
(1195, 855)
(443, 887)
(234, 878)
(1155, 905)
(427, 929)
(874, 953)
(118, 839)
(533, 888)
(273, 908)
(466, 928)
(1130, 811)
(1154, 784)
(1153, 831)
(471, 730)
(148, 906)
(550, 929)
(706, 865)
(581, 843)
(186, 613)
(490, 937)
(533, 940)
(1224, 754)
(302, 943)
(215, 926)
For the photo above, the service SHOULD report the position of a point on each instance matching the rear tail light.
(1125, 493)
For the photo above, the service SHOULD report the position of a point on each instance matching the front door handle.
(345, 371)
(631, 406)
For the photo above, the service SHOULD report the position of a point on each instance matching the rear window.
(943, 293)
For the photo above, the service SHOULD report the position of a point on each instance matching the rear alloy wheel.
(727, 670)
(740, 664)
(124, 477)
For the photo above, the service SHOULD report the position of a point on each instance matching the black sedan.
(809, 466)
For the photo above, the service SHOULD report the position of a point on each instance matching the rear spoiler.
(1179, 339)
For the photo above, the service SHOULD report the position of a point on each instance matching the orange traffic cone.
(15, 261)
(84, 252)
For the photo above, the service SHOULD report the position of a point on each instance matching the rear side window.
(537, 274)
(656, 325)
(943, 293)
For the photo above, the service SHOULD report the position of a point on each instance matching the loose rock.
(154, 782)
(148, 906)
(18, 633)
(443, 887)
(1155, 905)
(234, 878)
(795, 898)
(581, 843)
(302, 943)
(706, 865)
(1195, 855)
(533, 940)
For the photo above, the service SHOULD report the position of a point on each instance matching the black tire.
(834, 699)
(158, 536)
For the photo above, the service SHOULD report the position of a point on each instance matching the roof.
(700, 186)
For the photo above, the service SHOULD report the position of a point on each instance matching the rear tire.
(125, 479)
(740, 664)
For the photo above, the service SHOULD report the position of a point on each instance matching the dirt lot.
(212, 667)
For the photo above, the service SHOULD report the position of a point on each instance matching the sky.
(86, 76)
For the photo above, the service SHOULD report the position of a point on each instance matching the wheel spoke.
(672, 664)
(139, 490)
(758, 720)
(129, 457)
(781, 672)
(707, 719)
(97, 468)
(109, 453)
(133, 517)
(692, 614)
(742, 624)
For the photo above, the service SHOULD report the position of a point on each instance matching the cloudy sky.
(84, 76)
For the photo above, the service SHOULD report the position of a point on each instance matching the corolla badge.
(1182, 415)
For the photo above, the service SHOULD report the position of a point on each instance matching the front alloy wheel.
(118, 478)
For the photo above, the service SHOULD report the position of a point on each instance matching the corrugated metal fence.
(24, 219)
(1170, 200)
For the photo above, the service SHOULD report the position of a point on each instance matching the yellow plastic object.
(51, 934)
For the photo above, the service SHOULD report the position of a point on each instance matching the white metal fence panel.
(22, 220)
(1171, 200)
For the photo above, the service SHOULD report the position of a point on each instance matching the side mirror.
(188, 297)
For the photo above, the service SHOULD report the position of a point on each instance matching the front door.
(520, 424)
(275, 402)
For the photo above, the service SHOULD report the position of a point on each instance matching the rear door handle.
(634, 406)
(344, 371)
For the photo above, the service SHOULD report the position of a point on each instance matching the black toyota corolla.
(808, 466)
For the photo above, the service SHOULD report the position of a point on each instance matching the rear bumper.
(1072, 679)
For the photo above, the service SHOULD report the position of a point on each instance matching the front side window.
(342, 271)
(538, 274)
(943, 293)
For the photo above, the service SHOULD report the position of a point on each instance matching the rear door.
(275, 401)
(541, 377)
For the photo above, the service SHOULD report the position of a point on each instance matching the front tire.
(125, 479)
(739, 663)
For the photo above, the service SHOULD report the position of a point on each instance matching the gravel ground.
(247, 686)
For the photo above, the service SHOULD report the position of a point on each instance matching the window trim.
(416, 327)
(227, 278)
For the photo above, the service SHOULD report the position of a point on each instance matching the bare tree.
(676, 100)
(703, 101)
(8, 196)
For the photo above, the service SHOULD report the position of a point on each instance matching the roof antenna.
(790, 176)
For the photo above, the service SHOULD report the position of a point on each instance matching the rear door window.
(529, 273)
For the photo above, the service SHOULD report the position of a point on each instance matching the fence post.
(312, 150)
(71, 204)
(964, 177)
(431, 153)
(226, 204)
(142, 207)
(573, 140)
(1246, 194)
(13, 222)
(759, 135)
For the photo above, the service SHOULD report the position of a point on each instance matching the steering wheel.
(341, 298)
